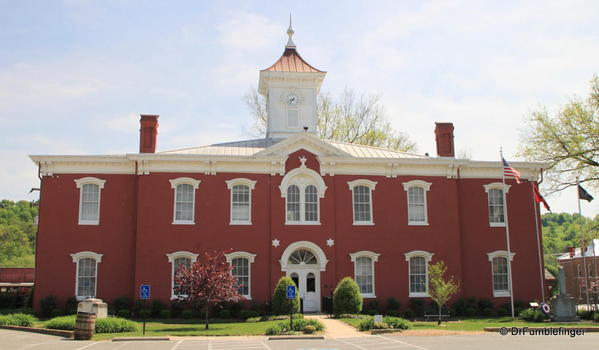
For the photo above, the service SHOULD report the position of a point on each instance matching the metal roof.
(291, 61)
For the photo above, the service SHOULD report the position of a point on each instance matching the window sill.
(371, 295)
(89, 222)
(183, 223)
(497, 224)
(363, 223)
(418, 295)
(501, 294)
(303, 223)
(247, 297)
(83, 298)
(418, 223)
(240, 223)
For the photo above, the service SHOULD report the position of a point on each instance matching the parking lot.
(15, 340)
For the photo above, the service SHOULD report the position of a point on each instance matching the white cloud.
(248, 31)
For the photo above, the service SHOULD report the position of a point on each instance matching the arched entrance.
(303, 261)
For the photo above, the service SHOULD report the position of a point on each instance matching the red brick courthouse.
(288, 204)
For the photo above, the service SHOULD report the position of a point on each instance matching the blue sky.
(75, 75)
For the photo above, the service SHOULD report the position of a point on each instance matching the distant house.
(581, 272)
(16, 279)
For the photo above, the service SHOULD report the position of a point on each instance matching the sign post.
(144, 294)
(290, 297)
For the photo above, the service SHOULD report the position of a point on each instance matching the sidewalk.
(337, 329)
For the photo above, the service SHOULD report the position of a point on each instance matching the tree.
(440, 289)
(280, 304)
(347, 298)
(568, 141)
(351, 118)
(207, 283)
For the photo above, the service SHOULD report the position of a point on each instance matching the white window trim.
(506, 190)
(302, 194)
(83, 255)
(171, 259)
(427, 257)
(184, 181)
(250, 258)
(371, 185)
(374, 258)
(84, 181)
(302, 177)
(251, 184)
(500, 254)
(426, 186)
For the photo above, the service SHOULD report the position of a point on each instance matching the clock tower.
(290, 86)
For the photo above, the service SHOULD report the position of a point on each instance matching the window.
(241, 201)
(178, 260)
(241, 269)
(86, 274)
(500, 272)
(495, 203)
(417, 209)
(89, 200)
(418, 272)
(302, 189)
(362, 201)
(364, 271)
(184, 203)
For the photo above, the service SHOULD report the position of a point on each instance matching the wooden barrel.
(85, 325)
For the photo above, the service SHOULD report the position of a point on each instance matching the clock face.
(293, 100)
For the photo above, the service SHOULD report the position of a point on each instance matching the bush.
(165, 314)
(23, 320)
(392, 304)
(70, 306)
(347, 298)
(187, 314)
(125, 313)
(397, 322)
(245, 314)
(122, 303)
(157, 307)
(299, 325)
(309, 329)
(115, 325)
(489, 312)
(276, 329)
(483, 304)
(373, 305)
(585, 314)
(462, 305)
(470, 312)
(372, 312)
(144, 313)
(66, 323)
(47, 305)
(366, 324)
(176, 308)
(24, 310)
(408, 314)
(502, 312)
(596, 317)
(8, 301)
(224, 314)
(388, 322)
(280, 303)
(417, 305)
(532, 315)
(393, 313)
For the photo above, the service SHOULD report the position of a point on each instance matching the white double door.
(308, 282)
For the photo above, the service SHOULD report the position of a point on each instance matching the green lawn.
(478, 324)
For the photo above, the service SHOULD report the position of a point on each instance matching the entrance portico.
(303, 261)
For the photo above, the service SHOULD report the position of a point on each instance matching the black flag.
(583, 194)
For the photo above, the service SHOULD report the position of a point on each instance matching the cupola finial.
(290, 43)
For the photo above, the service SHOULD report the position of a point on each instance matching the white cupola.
(290, 87)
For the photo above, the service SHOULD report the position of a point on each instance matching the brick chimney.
(148, 131)
(444, 137)
(572, 251)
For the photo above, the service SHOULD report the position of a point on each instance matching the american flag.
(508, 171)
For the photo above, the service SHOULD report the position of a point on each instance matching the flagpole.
(507, 235)
(542, 273)
(582, 249)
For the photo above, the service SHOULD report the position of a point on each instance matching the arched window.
(364, 271)
(302, 188)
(496, 203)
(417, 207)
(293, 203)
(241, 263)
(241, 200)
(89, 200)
(302, 257)
(184, 204)
(418, 272)
(311, 204)
(362, 200)
(179, 260)
(86, 274)
(500, 272)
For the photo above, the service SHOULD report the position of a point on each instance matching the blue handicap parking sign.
(290, 292)
(144, 291)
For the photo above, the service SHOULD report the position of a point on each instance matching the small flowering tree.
(207, 283)
(440, 289)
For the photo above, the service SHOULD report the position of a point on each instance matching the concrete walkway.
(337, 329)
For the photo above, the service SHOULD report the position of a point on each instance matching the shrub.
(280, 303)
(309, 329)
(372, 312)
(8, 301)
(165, 314)
(56, 313)
(245, 314)
(24, 310)
(115, 325)
(122, 303)
(224, 314)
(596, 317)
(373, 305)
(489, 312)
(66, 323)
(470, 312)
(366, 324)
(70, 306)
(393, 313)
(124, 313)
(417, 305)
(532, 315)
(585, 314)
(408, 314)
(157, 307)
(397, 323)
(502, 311)
(392, 304)
(380, 325)
(47, 304)
(254, 319)
(483, 304)
(176, 308)
(23, 320)
(144, 313)
(347, 298)
(275, 329)
(187, 314)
